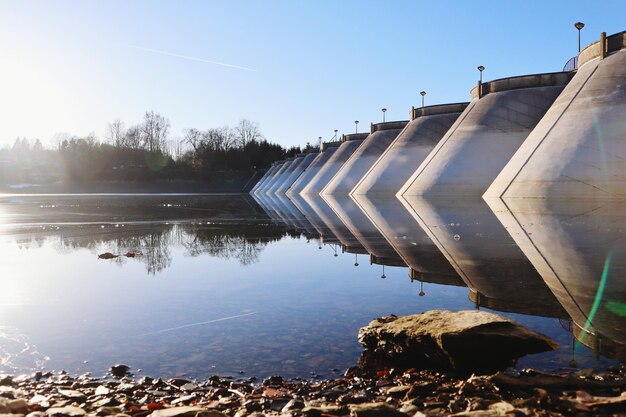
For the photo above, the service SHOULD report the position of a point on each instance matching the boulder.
(473, 341)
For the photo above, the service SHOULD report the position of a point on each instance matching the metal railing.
(571, 65)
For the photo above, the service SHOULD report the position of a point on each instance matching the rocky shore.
(359, 394)
(390, 380)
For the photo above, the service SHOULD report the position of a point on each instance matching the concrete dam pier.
(297, 171)
(407, 151)
(268, 174)
(349, 145)
(578, 149)
(327, 150)
(380, 137)
(473, 152)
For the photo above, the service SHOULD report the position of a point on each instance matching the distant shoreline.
(169, 187)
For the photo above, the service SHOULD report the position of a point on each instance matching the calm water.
(270, 286)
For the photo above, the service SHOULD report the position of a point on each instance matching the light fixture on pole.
(384, 110)
(335, 137)
(423, 94)
(481, 69)
(383, 276)
(421, 293)
(579, 26)
(356, 261)
(356, 126)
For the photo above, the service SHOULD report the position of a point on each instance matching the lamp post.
(384, 110)
(335, 137)
(356, 261)
(423, 94)
(579, 26)
(481, 69)
(356, 126)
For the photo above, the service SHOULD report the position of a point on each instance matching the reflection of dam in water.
(578, 148)
(579, 248)
(484, 255)
(334, 163)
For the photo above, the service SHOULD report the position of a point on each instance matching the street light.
(356, 126)
(383, 110)
(579, 26)
(481, 69)
(423, 93)
(335, 137)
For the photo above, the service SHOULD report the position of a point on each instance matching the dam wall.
(579, 147)
(271, 181)
(407, 151)
(493, 126)
(296, 172)
(268, 174)
(380, 137)
(350, 144)
(327, 150)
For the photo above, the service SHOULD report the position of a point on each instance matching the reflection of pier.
(484, 255)
(363, 230)
(579, 249)
(348, 241)
(408, 240)
(305, 208)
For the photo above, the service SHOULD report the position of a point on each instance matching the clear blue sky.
(73, 66)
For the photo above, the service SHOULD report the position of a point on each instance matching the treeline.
(144, 152)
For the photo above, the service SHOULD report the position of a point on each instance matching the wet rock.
(464, 340)
(18, 406)
(187, 411)
(324, 410)
(375, 410)
(36, 414)
(102, 390)
(107, 255)
(120, 370)
(11, 415)
(67, 411)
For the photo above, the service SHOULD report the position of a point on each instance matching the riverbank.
(383, 393)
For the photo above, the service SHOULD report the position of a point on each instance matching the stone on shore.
(187, 411)
(475, 341)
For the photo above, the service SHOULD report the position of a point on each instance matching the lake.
(233, 285)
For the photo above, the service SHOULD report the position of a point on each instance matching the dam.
(493, 126)
(268, 174)
(327, 150)
(400, 160)
(297, 171)
(380, 137)
(282, 177)
(277, 175)
(578, 148)
(350, 143)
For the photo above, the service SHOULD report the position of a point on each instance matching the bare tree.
(133, 137)
(155, 129)
(115, 133)
(219, 139)
(194, 137)
(246, 132)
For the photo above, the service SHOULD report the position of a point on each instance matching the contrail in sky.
(191, 58)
